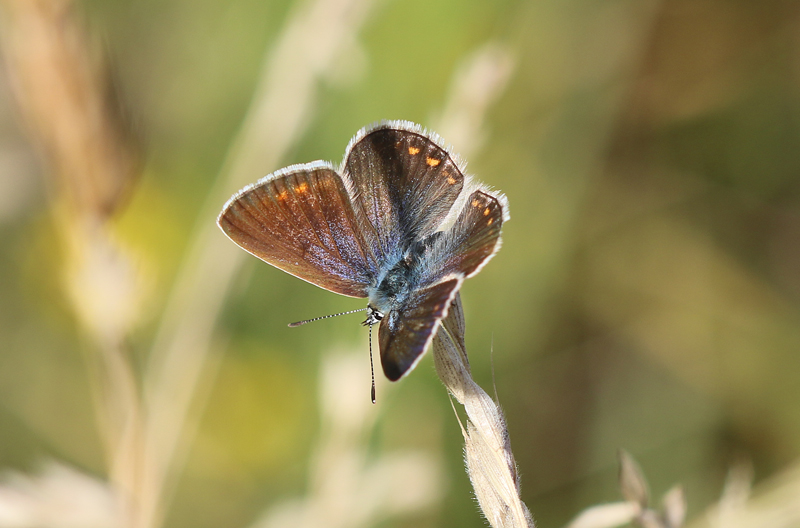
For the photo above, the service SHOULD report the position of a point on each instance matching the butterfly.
(398, 223)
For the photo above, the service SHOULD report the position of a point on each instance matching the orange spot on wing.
(283, 195)
(303, 187)
(486, 212)
(476, 203)
(413, 151)
(491, 220)
(451, 180)
(432, 162)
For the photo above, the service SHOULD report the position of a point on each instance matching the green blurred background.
(646, 296)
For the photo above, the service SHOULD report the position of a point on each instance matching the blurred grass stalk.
(71, 111)
(76, 122)
(279, 113)
(348, 486)
(775, 504)
(636, 509)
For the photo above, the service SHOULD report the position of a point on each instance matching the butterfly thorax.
(393, 287)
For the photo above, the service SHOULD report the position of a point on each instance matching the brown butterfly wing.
(471, 242)
(301, 221)
(404, 335)
(406, 184)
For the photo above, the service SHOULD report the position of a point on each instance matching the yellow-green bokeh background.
(646, 296)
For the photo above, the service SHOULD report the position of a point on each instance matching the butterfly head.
(373, 316)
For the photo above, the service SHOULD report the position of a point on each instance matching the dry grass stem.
(636, 509)
(772, 504)
(490, 462)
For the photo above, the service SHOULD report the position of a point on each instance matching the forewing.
(301, 221)
(471, 242)
(406, 333)
(403, 183)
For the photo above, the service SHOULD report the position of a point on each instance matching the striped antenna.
(371, 368)
(301, 323)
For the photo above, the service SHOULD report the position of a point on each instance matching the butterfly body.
(398, 279)
(397, 223)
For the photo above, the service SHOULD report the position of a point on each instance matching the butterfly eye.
(373, 316)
